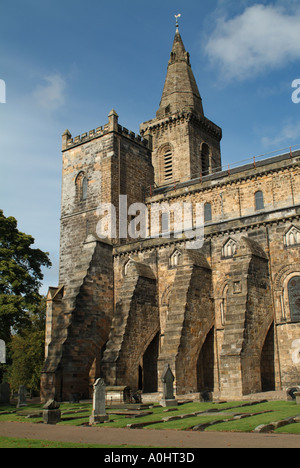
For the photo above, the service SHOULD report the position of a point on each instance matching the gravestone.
(51, 412)
(2, 352)
(99, 413)
(168, 390)
(74, 398)
(290, 393)
(4, 393)
(297, 396)
(22, 396)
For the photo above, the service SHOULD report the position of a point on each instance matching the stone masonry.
(226, 316)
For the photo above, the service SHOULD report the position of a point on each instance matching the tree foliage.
(27, 352)
(20, 277)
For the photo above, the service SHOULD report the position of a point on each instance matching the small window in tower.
(259, 200)
(205, 153)
(168, 110)
(84, 189)
(207, 212)
(165, 220)
(294, 298)
(81, 187)
(168, 165)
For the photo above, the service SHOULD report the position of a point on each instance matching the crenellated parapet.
(169, 121)
(112, 126)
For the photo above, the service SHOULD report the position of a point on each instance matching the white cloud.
(30, 176)
(50, 96)
(288, 135)
(261, 38)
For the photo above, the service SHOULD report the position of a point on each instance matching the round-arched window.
(294, 298)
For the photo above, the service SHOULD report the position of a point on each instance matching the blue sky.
(67, 63)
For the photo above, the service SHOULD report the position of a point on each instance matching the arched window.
(205, 159)
(127, 266)
(174, 259)
(207, 212)
(294, 298)
(259, 200)
(168, 164)
(166, 167)
(229, 248)
(81, 187)
(224, 305)
(84, 189)
(292, 237)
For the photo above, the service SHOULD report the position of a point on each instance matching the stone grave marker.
(22, 396)
(168, 390)
(99, 413)
(51, 412)
(297, 396)
(290, 393)
(2, 352)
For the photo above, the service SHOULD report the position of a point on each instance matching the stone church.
(224, 316)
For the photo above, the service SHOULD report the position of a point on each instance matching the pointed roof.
(180, 90)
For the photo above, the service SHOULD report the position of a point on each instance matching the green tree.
(27, 352)
(20, 277)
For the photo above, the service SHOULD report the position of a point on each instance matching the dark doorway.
(205, 364)
(150, 366)
(267, 362)
(140, 378)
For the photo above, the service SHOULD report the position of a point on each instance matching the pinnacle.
(113, 112)
(180, 89)
(178, 50)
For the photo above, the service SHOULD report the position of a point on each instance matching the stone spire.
(180, 90)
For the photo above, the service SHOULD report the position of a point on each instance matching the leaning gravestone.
(291, 391)
(168, 390)
(51, 412)
(2, 352)
(99, 413)
(22, 396)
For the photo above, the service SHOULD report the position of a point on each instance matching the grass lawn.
(78, 414)
(278, 410)
(11, 442)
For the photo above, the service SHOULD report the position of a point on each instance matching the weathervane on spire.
(177, 25)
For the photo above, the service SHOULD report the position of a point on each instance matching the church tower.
(186, 145)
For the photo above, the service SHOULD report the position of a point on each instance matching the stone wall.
(248, 319)
(135, 326)
(219, 316)
(183, 135)
(97, 168)
(113, 162)
(245, 324)
(82, 322)
(190, 318)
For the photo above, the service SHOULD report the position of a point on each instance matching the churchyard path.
(147, 438)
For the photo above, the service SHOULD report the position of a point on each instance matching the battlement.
(112, 126)
(181, 117)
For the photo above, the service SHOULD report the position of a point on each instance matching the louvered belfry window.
(168, 165)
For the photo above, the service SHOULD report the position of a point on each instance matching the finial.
(177, 25)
